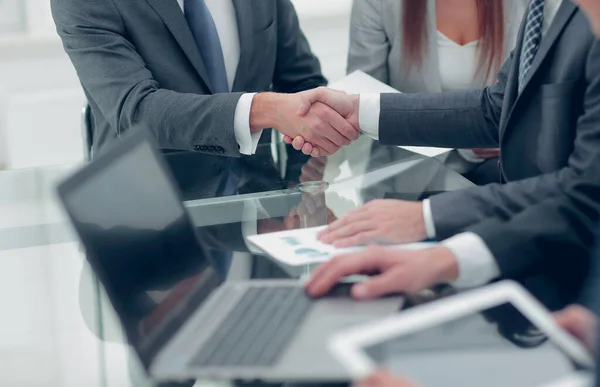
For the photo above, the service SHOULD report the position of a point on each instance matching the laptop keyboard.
(256, 331)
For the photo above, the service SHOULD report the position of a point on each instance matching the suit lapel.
(564, 14)
(245, 22)
(175, 21)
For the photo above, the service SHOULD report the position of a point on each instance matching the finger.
(310, 205)
(354, 216)
(343, 266)
(347, 230)
(338, 101)
(334, 127)
(309, 174)
(378, 286)
(291, 222)
(318, 164)
(298, 143)
(287, 139)
(325, 145)
(360, 239)
(307, 148)
(576, 320)
(343, 127)
(383, 378)
(316, 152)
(317, 273)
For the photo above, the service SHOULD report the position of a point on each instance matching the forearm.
(546, 234)
(120, 84)
(450, 120)
(468, 119)
(454, 212)
(179, 121)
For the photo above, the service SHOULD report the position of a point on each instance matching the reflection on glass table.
(33, 229)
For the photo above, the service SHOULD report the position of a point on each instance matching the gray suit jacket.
(548, 134)
(376, 44)
(141, 69)
(548, 235)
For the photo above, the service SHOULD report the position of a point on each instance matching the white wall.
(40, 96)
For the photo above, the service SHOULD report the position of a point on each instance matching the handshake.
(318, 122)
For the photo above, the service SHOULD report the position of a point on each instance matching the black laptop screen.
(140, 242)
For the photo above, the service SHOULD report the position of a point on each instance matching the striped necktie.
(531, 40)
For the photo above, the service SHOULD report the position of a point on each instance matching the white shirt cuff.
(476, 264)
(247, 141)
(428, 218)
(369, 108)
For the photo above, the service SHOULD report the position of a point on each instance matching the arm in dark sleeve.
(117, 79)
(552, 234)
(297, 68)
(468, 119)
(454, 211)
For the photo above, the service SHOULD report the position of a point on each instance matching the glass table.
(59, 317)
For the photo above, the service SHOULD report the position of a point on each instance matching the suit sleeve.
(116, 78)
(369, 45)
(297, 68)
(468, 119)
(507, 200)
(562, 227)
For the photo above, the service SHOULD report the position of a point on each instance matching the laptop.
(178, 314)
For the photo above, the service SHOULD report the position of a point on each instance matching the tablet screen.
(498, 347)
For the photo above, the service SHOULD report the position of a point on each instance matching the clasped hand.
(318, 122)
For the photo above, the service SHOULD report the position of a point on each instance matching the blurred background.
(43, 338)
(40, 96)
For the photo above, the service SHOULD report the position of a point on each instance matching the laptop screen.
(140, 242)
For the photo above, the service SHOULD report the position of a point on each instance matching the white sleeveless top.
(458, 64)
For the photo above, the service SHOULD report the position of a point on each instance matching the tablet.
(498, 335)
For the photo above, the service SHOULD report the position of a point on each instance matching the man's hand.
(579, 322)
(383, 378)
(346, 105)
(394, 270)
(487, 153)
(379, 221)
(302, 114)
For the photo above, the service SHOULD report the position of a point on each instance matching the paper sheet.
(359, 82)
(301, 247)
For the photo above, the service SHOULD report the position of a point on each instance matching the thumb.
(383, 284)
(335, 99)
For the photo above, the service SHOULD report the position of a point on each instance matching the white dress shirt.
(223, 13)
(475, 261)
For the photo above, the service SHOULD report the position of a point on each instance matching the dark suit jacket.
(141, 69)
(553, 237)
(548, 134)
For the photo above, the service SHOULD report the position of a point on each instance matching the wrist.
(355, 99)
(446, 264)
(262, 111)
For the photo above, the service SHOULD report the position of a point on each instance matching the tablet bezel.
(349, 346)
